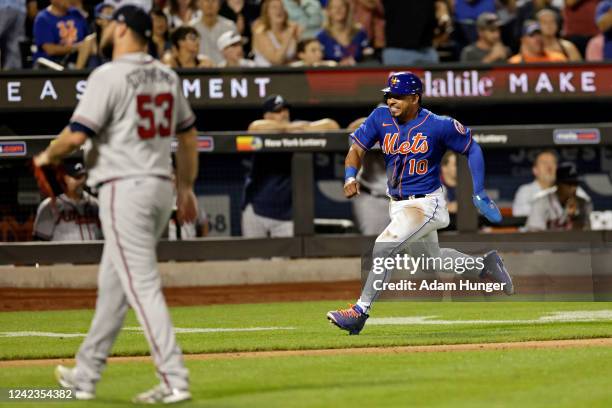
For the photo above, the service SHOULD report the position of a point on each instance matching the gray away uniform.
(134, 105)
(68, 220)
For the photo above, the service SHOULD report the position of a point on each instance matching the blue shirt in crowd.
(51, 29)
(602, 9)
(333, 50)
(470, 10)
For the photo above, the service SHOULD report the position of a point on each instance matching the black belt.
(410, 197)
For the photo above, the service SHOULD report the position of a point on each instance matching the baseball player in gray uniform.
(126, 118)
(561, 207)
(74, 214)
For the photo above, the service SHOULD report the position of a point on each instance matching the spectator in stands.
(465, 17)
(146, 5)
(186, 50)
(310, 54)
(78, 5)
(58, 32)
(267, 201)
(308, 14)
(160, 40)
(543, 169)
(550, 34)
(595, 48)
(449, 180)
(343, 40)
(408, 45)
(560, 208)
(90, 55)
(371, 206)
(243, 13)
(603, 16)
(578, 23)
(529, 10)
(183, 12)
(74, 215)
(532, 47)
(230, 44)
(210, 27)
(370, 14)
(489, 47)
(274, 36)
(12, 30)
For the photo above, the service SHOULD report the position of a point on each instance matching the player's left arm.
(459, 139)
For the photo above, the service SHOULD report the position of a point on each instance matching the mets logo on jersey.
(418, 145)
(460, 128)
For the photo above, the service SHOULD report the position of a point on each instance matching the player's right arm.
(364, 137)
(90, 116)
(352, 164)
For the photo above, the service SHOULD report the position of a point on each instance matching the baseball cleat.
(352, 319)
(496, 271)
(65, 378)
(162, 394)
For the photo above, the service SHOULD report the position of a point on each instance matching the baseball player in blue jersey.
(413, 141)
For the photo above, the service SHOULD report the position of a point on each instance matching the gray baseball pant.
(134, 213)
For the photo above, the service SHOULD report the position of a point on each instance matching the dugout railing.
(302, 146)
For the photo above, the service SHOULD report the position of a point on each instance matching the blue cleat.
(496, 271)
(352, 319)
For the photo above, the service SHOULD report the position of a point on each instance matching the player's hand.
(187, 206)
(42, 159)
(351, 188)
(487, 207)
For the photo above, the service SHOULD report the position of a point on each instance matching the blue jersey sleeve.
(456, 137)
(366, 135)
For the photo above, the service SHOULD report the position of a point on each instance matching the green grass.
(311, 329)
(572, 377)
(569, 377)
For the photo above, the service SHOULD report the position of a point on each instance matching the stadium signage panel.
(576, 136)
(336, 87)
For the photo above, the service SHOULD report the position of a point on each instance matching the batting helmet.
(404, 83)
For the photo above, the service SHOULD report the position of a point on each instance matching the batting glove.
(487, 207)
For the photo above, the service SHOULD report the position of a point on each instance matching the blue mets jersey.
(413, 150)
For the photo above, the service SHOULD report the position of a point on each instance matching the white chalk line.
(139, 329)
(554, 317)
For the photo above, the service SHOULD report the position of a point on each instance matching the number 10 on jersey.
(149, 107)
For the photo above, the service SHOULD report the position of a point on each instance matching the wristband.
(350, 172)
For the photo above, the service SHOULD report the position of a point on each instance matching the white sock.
(363, 306)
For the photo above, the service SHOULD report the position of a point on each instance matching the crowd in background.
(261, 33)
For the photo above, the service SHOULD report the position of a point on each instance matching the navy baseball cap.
(98, 10)
(275, 103)
(74, 168)
(404, 83)
(136, 19)
(488, 20)
(531, 27)
(567, 173)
